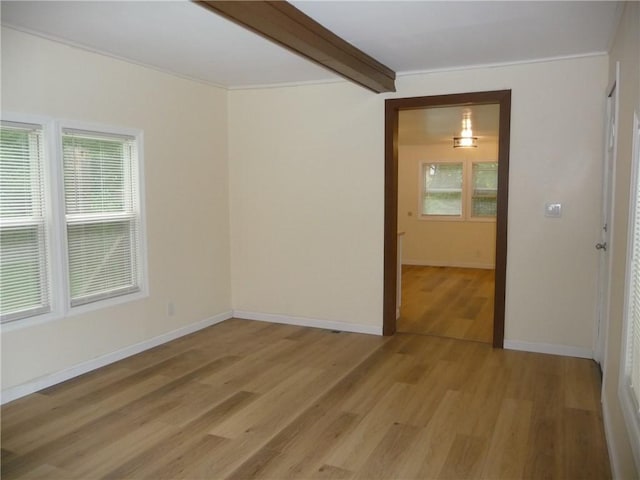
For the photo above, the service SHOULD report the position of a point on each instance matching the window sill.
(453, 218)
(70, 312)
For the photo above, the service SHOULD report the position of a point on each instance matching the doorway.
(393, 107)
(447, 220)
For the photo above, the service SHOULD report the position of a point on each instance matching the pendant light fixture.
(466, 138)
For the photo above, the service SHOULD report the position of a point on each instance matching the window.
(101, 214)
(484, 196)
(459, 190)
(94, 209)
(442, 194)
(630, 373)
(24, 274)
(633, 313)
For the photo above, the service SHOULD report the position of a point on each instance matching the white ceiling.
(440, 124)
(428, 35)
(185, 39)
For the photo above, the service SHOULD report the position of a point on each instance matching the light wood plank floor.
(246, 399)
(447, 302)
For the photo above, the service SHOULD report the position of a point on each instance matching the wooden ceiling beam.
(285, 25)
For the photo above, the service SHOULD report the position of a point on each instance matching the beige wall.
(555, 156)
(306, 202)
(186, 196)
(626, 50)
(469, 244)
(307, 196)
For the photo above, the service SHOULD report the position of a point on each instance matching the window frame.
(45, 125)
(117, 133)
(477, 218)
(60, 298)
(467, 192)
(423, 190)
(143, 290)
(629, 400)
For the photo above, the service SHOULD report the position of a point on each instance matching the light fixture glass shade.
(465, 142)
(466, 138)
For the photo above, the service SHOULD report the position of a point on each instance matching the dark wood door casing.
(392, 109)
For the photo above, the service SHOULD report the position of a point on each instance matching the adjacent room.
(447, 199)
(233, 247)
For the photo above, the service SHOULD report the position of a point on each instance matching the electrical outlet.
(171, 309)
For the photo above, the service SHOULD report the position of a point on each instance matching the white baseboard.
(309, 322)
(553, 349)
(614, 458)
(33, 386)
(629, 414)
(422, 263)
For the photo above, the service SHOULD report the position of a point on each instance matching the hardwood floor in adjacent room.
(447, 302)
(246, 399)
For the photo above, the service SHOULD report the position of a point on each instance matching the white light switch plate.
(553, 210)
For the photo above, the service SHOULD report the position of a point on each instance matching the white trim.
(72, 44)
(614, 458)
(309, 322)
(499, 64)
(627, 405)
(407, 73)
(425, 263)
(609, 435)
(601, 325)
(166, 71)
(625, 395)
(33, 386)
(550, 348)
(301, 83)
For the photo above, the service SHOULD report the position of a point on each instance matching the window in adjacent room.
(442, 189)
(484, 193)
(459, 190)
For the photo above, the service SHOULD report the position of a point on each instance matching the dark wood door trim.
(287, 26)
(392, 108)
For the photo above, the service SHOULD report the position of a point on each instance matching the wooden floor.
(447, 302)
(246, 399)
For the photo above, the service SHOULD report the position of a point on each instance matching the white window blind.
(464, 190)
(24, 268)
(485, 189)
(102, 215)
(633, 293)
(442, 194)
